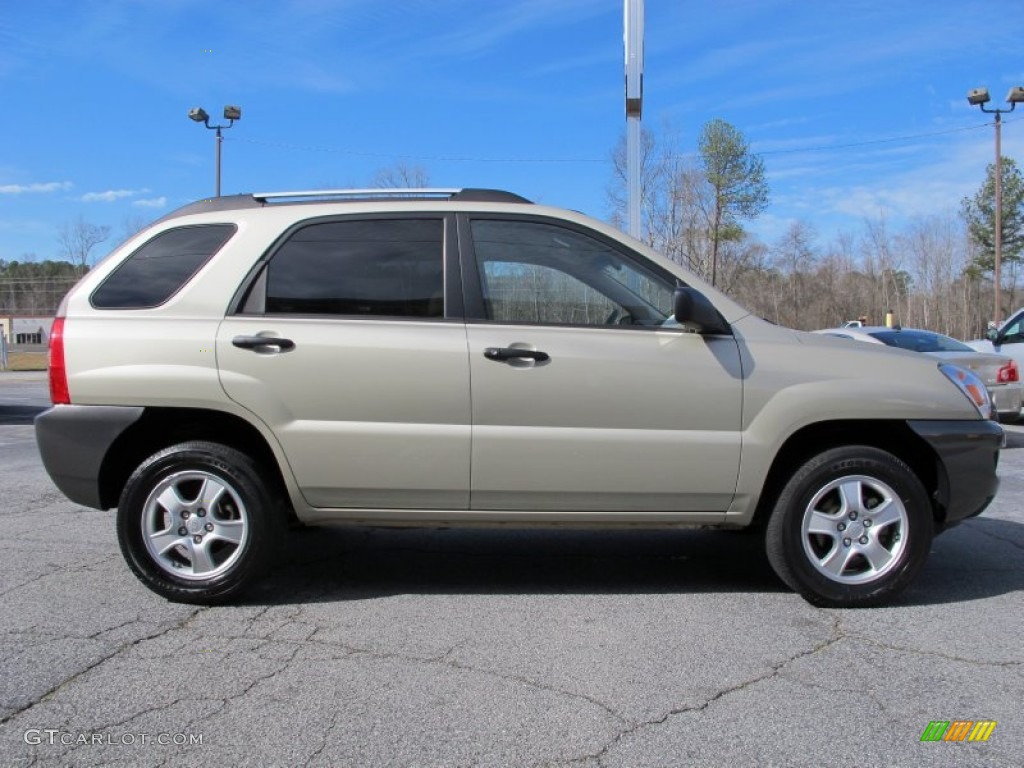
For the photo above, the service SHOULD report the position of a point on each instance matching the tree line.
(934, 273)
(35, 287)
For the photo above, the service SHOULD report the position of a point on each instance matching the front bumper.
(968, 455)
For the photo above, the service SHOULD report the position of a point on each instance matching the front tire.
(851, 528)
(197, 523)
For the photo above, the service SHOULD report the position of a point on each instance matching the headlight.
(972, 386)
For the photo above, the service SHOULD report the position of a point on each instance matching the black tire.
(197, 523)
(851, 528)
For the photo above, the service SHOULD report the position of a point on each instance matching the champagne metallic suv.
(465, 357)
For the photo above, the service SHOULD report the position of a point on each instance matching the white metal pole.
(633, 165)
(633, 37)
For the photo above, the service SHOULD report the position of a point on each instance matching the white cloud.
(50, 186)
(155, 202)
(110, 196)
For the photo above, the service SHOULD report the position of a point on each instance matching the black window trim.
(476, 312)
(250, 297)
(184, 283)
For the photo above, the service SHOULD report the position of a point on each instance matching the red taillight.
(59, 393)
(1008, 373)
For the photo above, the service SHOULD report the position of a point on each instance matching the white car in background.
(1000, 372)
(1008, 340)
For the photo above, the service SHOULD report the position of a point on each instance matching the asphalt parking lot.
(495, 648)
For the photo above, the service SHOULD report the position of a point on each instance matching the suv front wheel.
(196, 522)
(851, 528)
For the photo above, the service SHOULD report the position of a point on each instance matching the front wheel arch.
(893, 437)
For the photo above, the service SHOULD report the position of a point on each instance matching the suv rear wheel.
(851, 528)
(196, 523)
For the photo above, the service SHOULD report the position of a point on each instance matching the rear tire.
(851, 528)
(197, 523)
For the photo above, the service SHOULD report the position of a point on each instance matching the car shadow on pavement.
(335, 564)
(979, 559)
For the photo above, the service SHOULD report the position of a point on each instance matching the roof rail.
(469, 194)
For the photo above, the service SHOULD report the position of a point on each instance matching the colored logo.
(958, 730)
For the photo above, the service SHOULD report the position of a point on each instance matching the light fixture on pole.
(231, 113)
(978, 97)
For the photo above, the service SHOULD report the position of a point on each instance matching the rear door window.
(378, 267)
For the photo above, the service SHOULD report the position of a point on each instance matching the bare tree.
(78, 237)
(401, 176)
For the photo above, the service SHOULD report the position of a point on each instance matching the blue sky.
(857, 107)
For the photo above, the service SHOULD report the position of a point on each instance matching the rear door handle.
(500, 354)
(263, 342)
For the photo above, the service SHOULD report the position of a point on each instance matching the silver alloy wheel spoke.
(854, 529)
(211, 492)
(836, 560)
(202, 561)
(877, 556)
(886, 513)
(228, 530)
(194, 525)
(172, 502)
(162, 541)
(852, 495)
(822, 524)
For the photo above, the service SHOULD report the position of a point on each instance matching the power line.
(910, 137)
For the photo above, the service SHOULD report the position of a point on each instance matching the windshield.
(920, 341)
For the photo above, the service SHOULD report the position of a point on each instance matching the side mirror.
(693, 309)
(992, 334)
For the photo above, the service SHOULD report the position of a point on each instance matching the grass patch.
(26, 361)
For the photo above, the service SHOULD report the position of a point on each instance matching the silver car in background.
(999, 372)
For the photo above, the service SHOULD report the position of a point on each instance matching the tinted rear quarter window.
(158, 270)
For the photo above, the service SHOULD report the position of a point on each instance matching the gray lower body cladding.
(968, 452)
(73, 442)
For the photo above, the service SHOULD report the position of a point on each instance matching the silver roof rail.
(355, 193)
(430, 193)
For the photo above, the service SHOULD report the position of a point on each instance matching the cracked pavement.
(492, 648)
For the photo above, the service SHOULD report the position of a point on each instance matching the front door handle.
(267, 343)
(501, 354)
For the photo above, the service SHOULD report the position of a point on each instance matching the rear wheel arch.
(159, 428)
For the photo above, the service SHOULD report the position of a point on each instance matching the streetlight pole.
(979, 97)
(231, 113)
(633, 36)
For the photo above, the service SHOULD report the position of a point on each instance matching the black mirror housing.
(693, 309)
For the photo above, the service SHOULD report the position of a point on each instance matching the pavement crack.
(444, 660)
(57, 570)
(775, 669)
(936, 654)
(82, 672)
